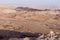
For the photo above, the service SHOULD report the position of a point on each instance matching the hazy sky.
(32, 2)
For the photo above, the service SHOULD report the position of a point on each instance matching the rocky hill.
(25, 19)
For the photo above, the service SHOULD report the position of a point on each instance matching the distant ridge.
(30, 9)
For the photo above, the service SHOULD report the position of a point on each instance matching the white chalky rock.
(15, 39)
(51, 32)
(41, 37)
(26, 38)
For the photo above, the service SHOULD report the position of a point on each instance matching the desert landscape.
(26, 23)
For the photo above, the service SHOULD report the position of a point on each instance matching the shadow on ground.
(6, 34)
